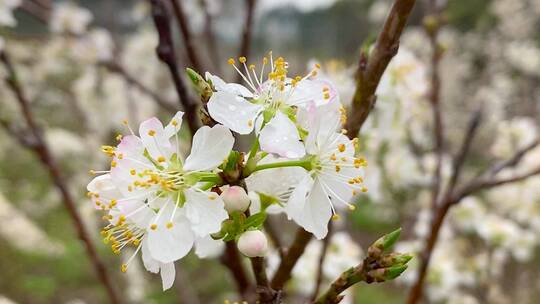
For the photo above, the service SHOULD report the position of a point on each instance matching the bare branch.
(165, 52)
(464, 151)
(210, 36)
(40, 148)
(322, 258)
(514, 160)
(283, 273)
(189, 42)
(371, 69)
(266, 295)
(36, 10)
(118, 69)
(231, 259)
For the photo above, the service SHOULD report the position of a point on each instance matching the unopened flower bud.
(235, 199)
(253, 244)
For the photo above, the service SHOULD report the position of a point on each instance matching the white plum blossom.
(68, 17)
(158, 201)
(335, 174)
(268, 106)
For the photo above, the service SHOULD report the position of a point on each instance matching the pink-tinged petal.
(233, 88)
(170, 243)
(312, 212)
(207, 247)
(205, 211)
(174, 125)
(233, 111)
(211, 146)
(280, 136)
(154, 139)
(167, 275)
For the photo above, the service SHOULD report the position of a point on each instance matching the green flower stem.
(304, 163)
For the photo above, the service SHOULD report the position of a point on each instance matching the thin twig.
(35, 10)
(432, 30)
(231, 259)
(165, 52)
(265, 294)
(274, 236)
(189, 42)
(514, 160)
(487, 183)
(283, 273)
(320, 266)
(371, 69)
(120, 70)
(247, 32)
(459, 161)
(210, 36)
(40, 147)
(440, 209)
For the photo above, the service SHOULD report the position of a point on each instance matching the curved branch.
(38, 145)
(371, 69)
(165, 52)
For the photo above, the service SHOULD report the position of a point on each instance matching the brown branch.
(488, 183)
(40, 148)
(322, 258)
(459, 161)
(376, 267)
(247, 32)
(514, 160)
(432, 29)
(165, 52)
(36, 10)
(371, 69)
(189, 42)
(115, 67)
(265, 294)
(274, 236)
(231, 259)
(283, 273)
(440, 209)
(210, 36)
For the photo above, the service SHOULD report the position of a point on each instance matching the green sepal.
(255, 221)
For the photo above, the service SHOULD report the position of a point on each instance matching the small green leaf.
(255, 221)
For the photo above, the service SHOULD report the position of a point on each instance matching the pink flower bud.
(235, 199)
(253, 244)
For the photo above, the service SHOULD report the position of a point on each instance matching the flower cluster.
(301, 162)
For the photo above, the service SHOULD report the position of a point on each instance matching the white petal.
(311, 90)
(157, 144)
(174, 126)
(234, 88)
(313, 212)
(149, 263)
(170, 244)
(211, 146)
(205, 214)
(280, 136)
(233, 111)
(167, 275)
(104, 186)
(296, 204)
(207, 247)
